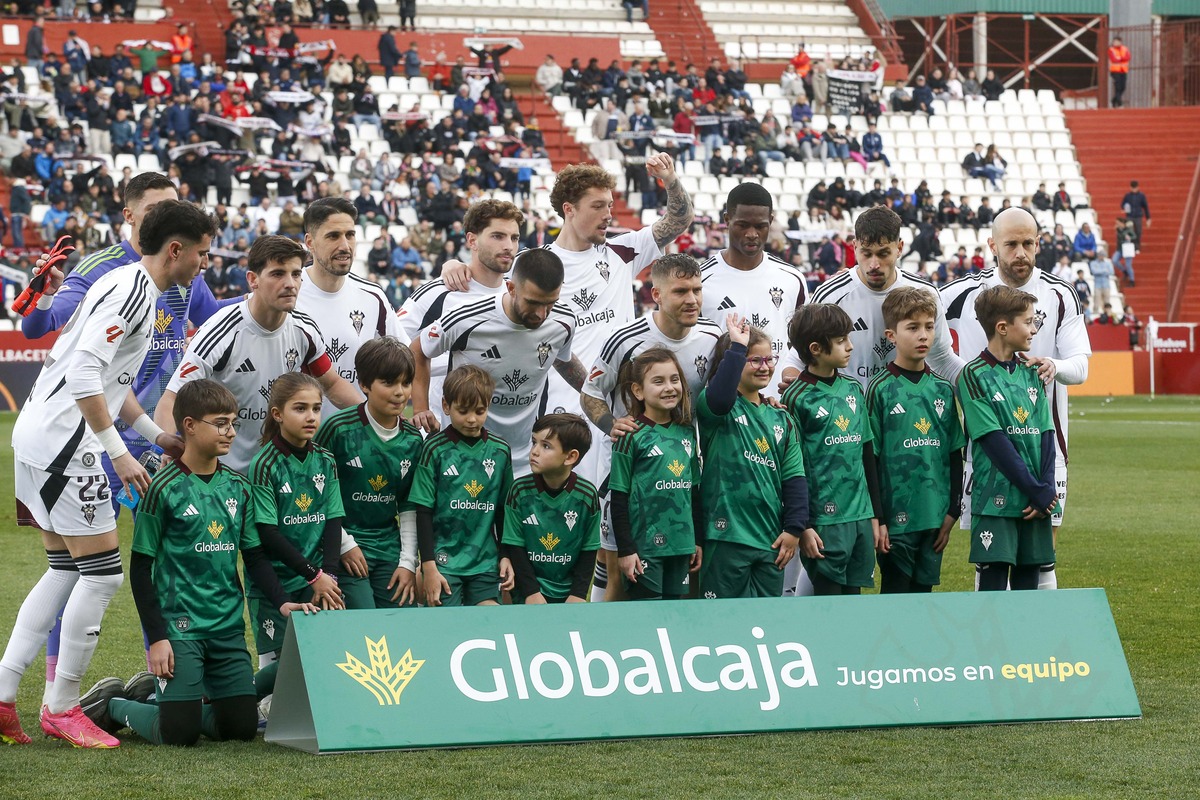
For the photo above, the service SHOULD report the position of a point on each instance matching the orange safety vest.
(179, 46)
(1118, 59)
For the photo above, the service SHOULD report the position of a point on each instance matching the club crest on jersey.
(1033, 395)
(998, 501)
(319, 482)
(1039, 319)
(405, 466)
(442, 559)
(291, 358)
(215, 529)
(659, 539)
(852, 401)
(778, 434)
(710, 595)
(543, 351)
(777, 296)
(489, 466)
(722, 523)
(356, 319)
(162, 684)
(687, 446)
(89, 459)
(268, 627)
(602, 267)
(831, 508)
(883, 347)
(584, 299)
(701, 363)
(570, 517)
(231, 507)
(902, 518)
(182, 624)
(985, 538)
(162, 321)
(939, 406)
(514, 380)
(337, 349)
(89, 512)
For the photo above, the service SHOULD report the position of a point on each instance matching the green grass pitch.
(1131, 529)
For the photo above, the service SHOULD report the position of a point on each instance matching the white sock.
(796, 582)
(99, 579)
(1048, 579)
(264, 659)
(599, 582)
(34, 621)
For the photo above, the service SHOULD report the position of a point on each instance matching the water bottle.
(150, 460)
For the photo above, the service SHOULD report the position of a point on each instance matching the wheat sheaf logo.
(216, 529)
(762, 444)
(550, 541)
(842, 422)
(1021, 414)
(676, 468)
(382, 678)
(377, 483)
(162, 321)
(923, 426)
(303, 501)
(473, 488)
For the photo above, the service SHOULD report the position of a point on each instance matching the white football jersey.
(114, 322)
(1061, 327)
(234, 349)
(767, 296)
(426, 306)
(349, 318)
(517, 358)
(872, 351)
(598, 289)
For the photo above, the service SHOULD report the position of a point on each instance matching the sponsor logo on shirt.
(762, 444)
(162, 321)
(676, 468)
(113, 332)
(515, 379)
(923, 426)
(377, 483)
(550, 541)
(842, 422)
(584, 299)
(337, 349)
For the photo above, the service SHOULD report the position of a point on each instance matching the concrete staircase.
(1163, 160)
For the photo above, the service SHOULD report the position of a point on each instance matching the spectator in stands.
(819, 83)
(1134, 324)
(1106, 317)
(549, 78)
(406, 258)
(922, 96)
(1126, 239)
(937, 84)
(338, 13)
(972, 89)
(35, 44)
(900, 99)
(1137, 208)
(992, 88)
(683, 124)
(412, 61)
(20, 206)
(1085, 244)
(55, 218)
(1042, 201)
(629, 5)
(791, 84)
(1062, 200)
(1118, 69)
(954, 86)
(389, 52)
(836, 145)
(1062, 244)
(384, 172)
(369, 211)
(1102, 276)
(378, 259)
(339, 75)
(181, 42)
(872, 146)
(1044, 260)
(984, 214)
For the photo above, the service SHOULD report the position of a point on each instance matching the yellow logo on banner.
(762, 444)
(382, 678)
(377, 483)
(215, 528)
(550, 541)
(474, 487)
(303, 501)
(1021, 415)
(676, 468)
(842, 422)
(923, 426)
(162, 321)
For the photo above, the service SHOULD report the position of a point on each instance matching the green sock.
(264, 679)
(141, 717)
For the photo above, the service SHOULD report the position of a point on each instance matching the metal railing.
(1164, 68)
(1185, 248)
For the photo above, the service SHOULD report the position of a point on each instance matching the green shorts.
(738, 570)
(662, 577)
(371, 591)
(270, 626)
(1011, 540)
(471, 590)
(849, 554)
(212, 668)
(912, 554)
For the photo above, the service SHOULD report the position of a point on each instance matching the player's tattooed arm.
(597, 410)
(573, 372)
(679, 213)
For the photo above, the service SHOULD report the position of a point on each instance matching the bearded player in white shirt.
(1061, 347)
(61, 486)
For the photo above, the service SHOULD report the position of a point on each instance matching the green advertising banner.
(380, 680)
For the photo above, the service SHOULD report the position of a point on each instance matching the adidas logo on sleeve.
(999, 398)
(286, 488)
(821, 412)
(451, 471)
(741, 420)
(897, 409)
(531, 520)
(191, 511)
(245, 366)
(355, 462)
(655, 451)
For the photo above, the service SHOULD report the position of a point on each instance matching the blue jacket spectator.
(46, 163)
(1085, 243)
(406, 257)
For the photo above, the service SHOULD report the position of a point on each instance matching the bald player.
(1060, 350)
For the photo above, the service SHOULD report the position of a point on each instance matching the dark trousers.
(1119, 80)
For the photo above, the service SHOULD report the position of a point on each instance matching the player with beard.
(1060, 350)
(351, 310)
(493, 229)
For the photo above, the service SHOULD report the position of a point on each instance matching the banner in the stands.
(846, 88)
(450, 677)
